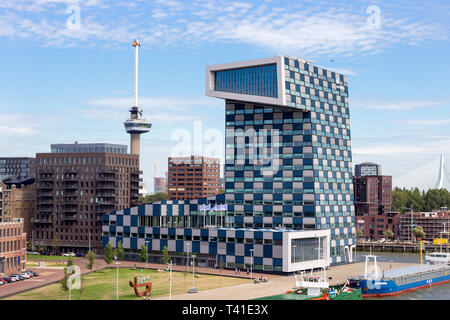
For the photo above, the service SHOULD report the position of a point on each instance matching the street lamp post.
(187, 260)
(146, 258)
(170, 279)
(117, 278)
(193, 289)
(251, 265)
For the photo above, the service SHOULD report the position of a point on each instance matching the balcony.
(135, 178)
(106, 185)
(103, 208)
(70, 211)
(70, 185)
(46, 177)
(45, 193)
(41, 221)
(45, 206)
(106, 177)
(45, 200)
(106, 202)
(106, 194)
(69, 218)
(109, 171)
(70, 193)
(70, 199)
(73, 177)
(45, 185)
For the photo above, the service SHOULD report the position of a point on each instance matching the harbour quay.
(282, 283)
(400, 247)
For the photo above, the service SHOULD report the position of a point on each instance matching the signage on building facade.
(218, 207)
(439, 241)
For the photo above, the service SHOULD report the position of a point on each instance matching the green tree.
(418, 232)
(165, 257)
(119, 251)
(56, 243)
(91, 260)
(154, 197)
(388, 234)
(143, 255)
(109, 253)
(67, 274)
(359, 233)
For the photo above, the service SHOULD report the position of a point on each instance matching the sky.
(67, 68)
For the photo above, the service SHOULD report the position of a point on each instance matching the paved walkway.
(279, 284)
(276, 284)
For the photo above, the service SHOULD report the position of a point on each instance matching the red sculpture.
(136, 285)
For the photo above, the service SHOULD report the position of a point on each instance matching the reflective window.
(258, 81)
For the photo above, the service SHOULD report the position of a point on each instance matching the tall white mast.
(440, 181)
(135, 125)
(136, 45)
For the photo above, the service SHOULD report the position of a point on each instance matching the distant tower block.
(136, 126)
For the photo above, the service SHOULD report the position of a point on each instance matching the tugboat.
(438, 258)
(311, 287)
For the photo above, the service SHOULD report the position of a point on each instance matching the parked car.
(2, 282)
(32, 252)
(21, 277)
(69, 254)
(80, 255)
(29, 272)
(34, 273)
(26, 275)
(6, 279)
(14, 278)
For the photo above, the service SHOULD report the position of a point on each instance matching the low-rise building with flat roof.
(13, 243)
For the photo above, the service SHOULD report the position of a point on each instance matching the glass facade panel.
(257, 81)
(306, 249)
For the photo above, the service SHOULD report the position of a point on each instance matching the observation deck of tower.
(135, 125)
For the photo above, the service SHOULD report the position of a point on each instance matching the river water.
(439, 292)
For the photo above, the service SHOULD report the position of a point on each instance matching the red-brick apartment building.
(76, 185)
(193, 177)
(13, 243)
(373, 200)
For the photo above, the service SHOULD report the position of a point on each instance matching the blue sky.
(67, 71)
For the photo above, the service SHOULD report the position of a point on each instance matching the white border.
(307, 265)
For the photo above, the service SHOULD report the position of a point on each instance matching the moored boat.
(397, 281)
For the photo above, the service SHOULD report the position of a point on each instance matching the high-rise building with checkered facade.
(288, 202)
(299, 113)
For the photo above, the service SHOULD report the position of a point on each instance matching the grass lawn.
(39, 257)
(55, 263)
(101, 285)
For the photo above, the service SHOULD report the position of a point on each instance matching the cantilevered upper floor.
(279, 80)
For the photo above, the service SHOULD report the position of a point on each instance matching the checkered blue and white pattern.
(287, 167)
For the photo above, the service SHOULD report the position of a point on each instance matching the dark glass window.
(258, 81)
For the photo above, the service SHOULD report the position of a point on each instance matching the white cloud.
(155, 103)
(425, 122)
(181, 109)
(386, 149)
(14, 131)
(397, 105)
(327, 28)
